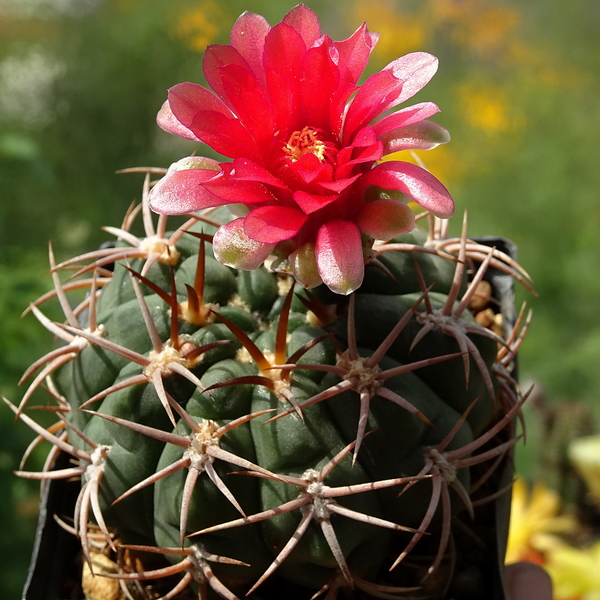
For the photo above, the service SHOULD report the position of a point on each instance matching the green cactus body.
(283, 440)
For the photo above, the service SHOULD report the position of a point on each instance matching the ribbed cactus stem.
(258, 437)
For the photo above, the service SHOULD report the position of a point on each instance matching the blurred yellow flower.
(475, 24)
(488, 30)
(575, 573)
(534, 521)
(200, 26)
(488, 109)
(400, 33)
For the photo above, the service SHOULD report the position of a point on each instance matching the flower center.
(308, 141)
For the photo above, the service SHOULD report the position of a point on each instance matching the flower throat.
(308, 141)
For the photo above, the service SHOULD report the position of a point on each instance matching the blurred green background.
(518, 85)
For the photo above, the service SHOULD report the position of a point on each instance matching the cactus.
(220, 416)
(238, 434)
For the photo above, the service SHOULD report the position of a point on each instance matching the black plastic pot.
(53, 571)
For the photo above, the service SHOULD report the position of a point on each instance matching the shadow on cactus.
(238, 434)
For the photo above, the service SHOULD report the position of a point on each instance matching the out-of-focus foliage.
(21, 280)
(81, 81)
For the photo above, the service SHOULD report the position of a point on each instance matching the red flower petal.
(243, 169)
(309, 168)
(365, 148)
(354, 53)
(406, 116)
(339, 185)
(181, 192)
(424, 135)
(319, 81)
(337, 107)
(166, 120)
(305, 22)
(385, 218)
(232, 247)
(249, 101)
(415, 182)
(272, 224)
(186, 100)
(283, 52)
(284, 49)
(415, 71)
(227, 136)
(362, 155)
(286, 102)
(235, 191)
(309, 203)
(340, 258)
(374, 96)
(248, 38)
(303, 263)
(215, 58)
(400, 80)
(210, 120)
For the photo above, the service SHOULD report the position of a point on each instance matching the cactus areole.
(336, 422)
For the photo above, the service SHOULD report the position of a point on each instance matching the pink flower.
(305, 140)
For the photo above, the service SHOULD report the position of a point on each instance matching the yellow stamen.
(305, 142)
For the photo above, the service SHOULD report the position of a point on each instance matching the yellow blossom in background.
(575, 573)
(201, 25)
(491, 30)
(487, 109)
(534, 523)
(480, 26)
(487, 29)
(400, 32)
(476, 25)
